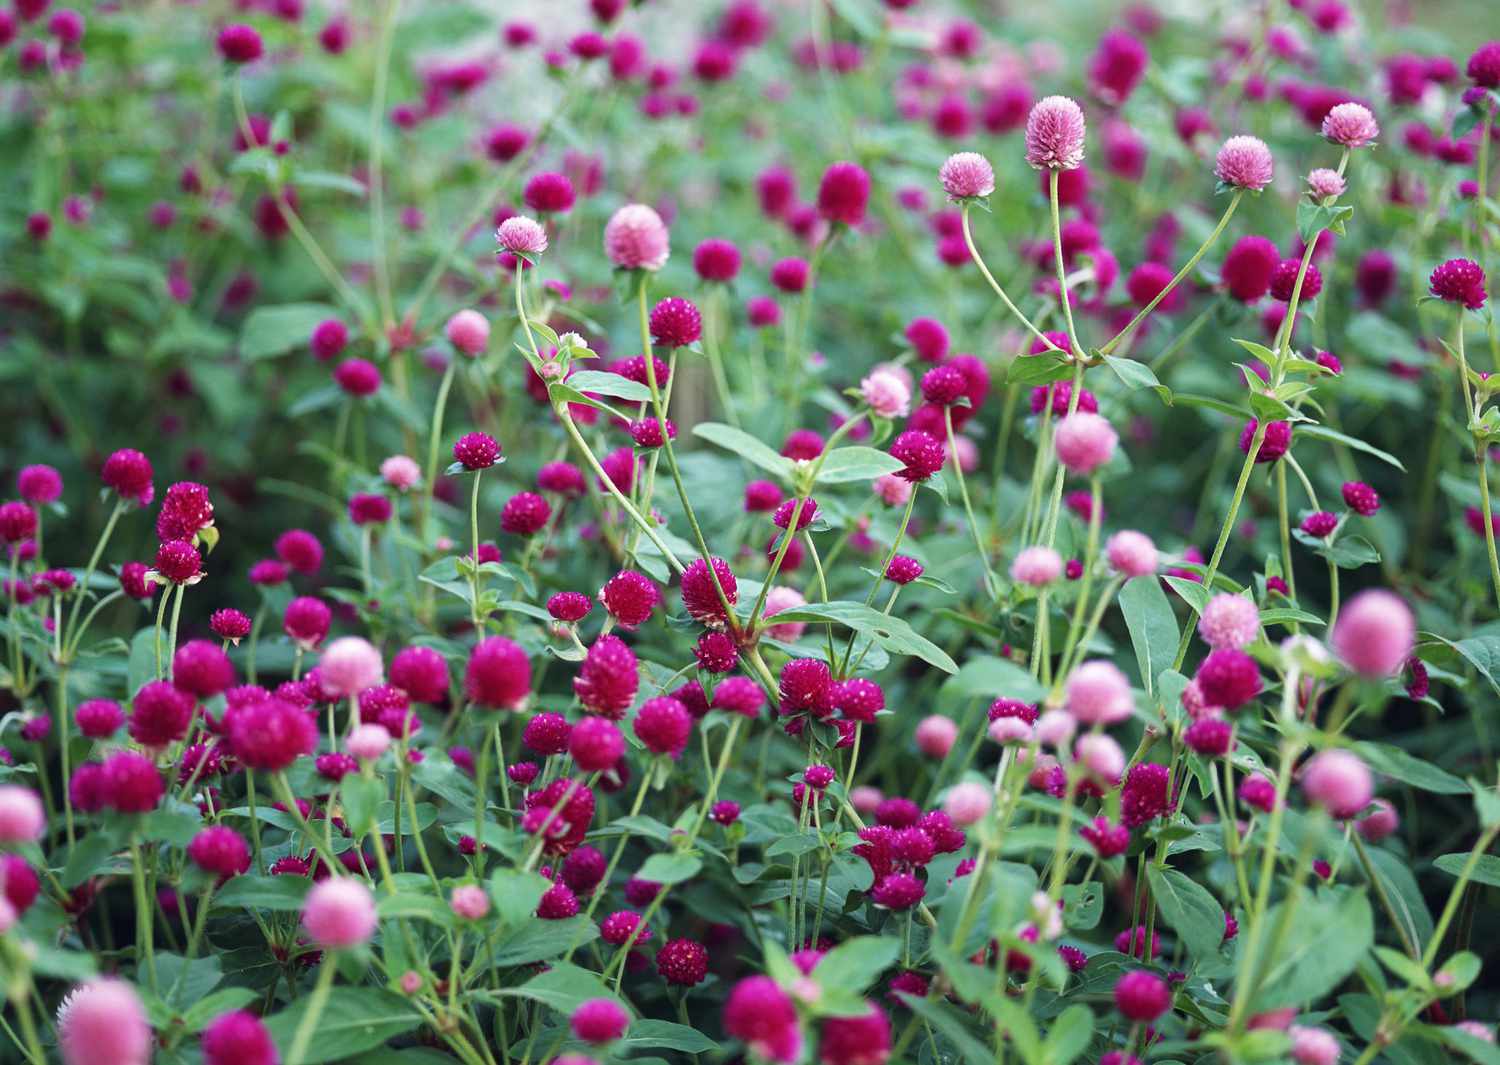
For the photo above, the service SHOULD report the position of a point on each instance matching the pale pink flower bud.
(1098, 694)
(521, 234)
(1323, 183)
(1375, 633)
(1055, 728)
(935, 735)
(1036, 566)
(339, 912)
(1132, 554)
(469, 332)
(887, 395)
(368, 742)
(1054, 134)
(635, 238)
(1245, 162)
(401, 472)
(781, 598)
(1351, 125)
(967, 803)
(348, 666)
(1339, 781)
(1100, 755)
(1229, 621)
(893, 491)
(470, 902)
(866, 798)
(101, 1022)
(22, 818)
(1007, 730)
(1084, 442)
(1313, 1046)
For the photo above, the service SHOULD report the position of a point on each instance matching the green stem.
(315, 1006)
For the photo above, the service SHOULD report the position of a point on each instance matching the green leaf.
(890, 633)
(354, 1020)
(1322, 432)
(857, 963)
(1393, 762)
(609, 384)
(281, 893)
(1486, 871)
(541, 940)
(665, 1035)
(271, 331)
(1193, 593)
(564, 987)
(206, 1009)
(1471, 1046)
(1040, 369)
(858, 463)
(362, 795)
(953, 1026)
(988, 677)
(1481, 651)
(1188, 399)
(745, 446)
(1187, 906)
(187, 981)
(670, 868)
(323, 179)
(1313, 218)
(1327, 937)
(89, 856)
(1083, 905)
(516, 894)
(1136, 375)
(142, 664)
(1070, 1035)
(416, 906)
(1152, 626)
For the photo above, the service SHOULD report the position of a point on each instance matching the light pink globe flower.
(1374, 633)
(780, 598)
(470, 902)
(967, 803)
(521, 234)
(1351, 125)
(1339, 781)
(368, 742)
(1055, 728)
(22, 818)
(635, 238)
(1324, 183)
(469, 332)
(893, 491)
(103, 1022)
(348, 666)
(1054, 134)
(1008, 730)
(401, 472)
(935, 735)
(1084, 442)
(1313, 1046)
(967, 176)
(1098, 694)
(1229, 620)
(1132, 554)
(1100, 755)
(1036, 566)
(339, 913)
(1245, 162)
(886, 393)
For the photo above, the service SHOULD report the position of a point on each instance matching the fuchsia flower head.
(967, 175)
(1459, 281)
(521, 235)
(1245, 162)
(844, 193)
(1351, 125)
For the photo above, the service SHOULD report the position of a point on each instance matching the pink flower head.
(1374, 633)
(716, 260)
(129, 473)
(549, 193)
(39, 484)
(368, 742)
(764, 1017)
(1484, 65)
(1325, 184)
(498, 676)
(1101, 756)
(967, 803)
(476, 451)
(1229, 621)
(595, 744)
(104, 1021)
(599, 1021)
(22, 819)
(1142, 996)
(1459, 281)
(700, 593)
(1054, 134)
(1314, 1046)
(886, 393)
(778, 599)
(844, 193)
(238, 1038)
(1132, 554)
(675, 323)
(468, 331)
(1084, 442)
(348, 666)
(922, 453)
(1351, 125)
(401, 472)
(663, 725)
(1339, 781)
(339, 913)
(864, 1039)
(521, 235)
(935, 735)
(630, 597)
(1245, 162)
(1098, 694)
(1228, 678)
(608, 679)
(635, 238)
(271, 734)
(1248, 267)
(967, 175)
(238, 43)
(1036, 566)
(1117, 66)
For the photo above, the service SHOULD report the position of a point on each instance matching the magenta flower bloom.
(1459, 281)
(675, 323)
(498, 676)
(1245, 162)
(129, 473)
(238, 43)
(1054, 134)
(39, 484)
(549, 193)
(716, 260)
(238, 1038)
(844, 193)
(271, 734)
(1117, 66)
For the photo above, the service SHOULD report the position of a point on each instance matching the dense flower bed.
(746, 531)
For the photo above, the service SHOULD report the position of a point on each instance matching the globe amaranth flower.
(716, 260)
(129, 473)
(1097, 693)
(476, 451)
(683, 962)
(17, 522)
(498, 675)
(103, 1021)
(468, 331)
(1339, 781)
(521, 235)
(607, 681)
(1146, 794)
(1325, 184)
(357, 377)
(306, 620)
(1483, 67)
(928, 338)
(238, 43)
(1284, 281)
(179, 562)
(595, 744)
(1036, 566)
(369, 508)
(238, 1038)
(663, 725)
(1228, 678)
(886, 393)
(339, 913)
(701, 590)
(1248, 267)
(630, 597)
(1117, 66)
(1351, 125)
(1459, 281)
(903, 569)
(1084, 441)
(922, 454)
(675, 323)
(790, 275)
(1245, 162)
(1054, 134)
(1277, 439)
(39, 484)
(202, 669)
(844, 193)
(635, 238)
(1131, 553)
(1374, 633)
(219, 850)
(549, 193)
(1229, 620)
(864, 1039)
(1142, 996)
(271, 734)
